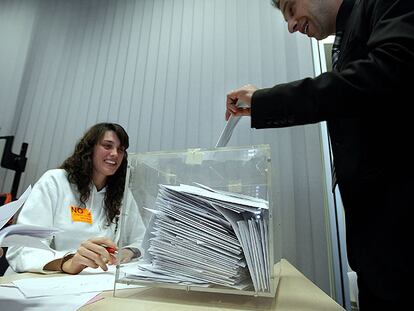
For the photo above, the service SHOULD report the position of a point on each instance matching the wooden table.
(295, 292)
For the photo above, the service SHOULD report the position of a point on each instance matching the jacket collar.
(343, 14)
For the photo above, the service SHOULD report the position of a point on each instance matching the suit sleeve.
(376, 67)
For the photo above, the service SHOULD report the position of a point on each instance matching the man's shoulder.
(368, 14)
(381, 7)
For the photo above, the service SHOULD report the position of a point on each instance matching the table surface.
(295, 292)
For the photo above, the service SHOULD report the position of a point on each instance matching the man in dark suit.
(366, 102)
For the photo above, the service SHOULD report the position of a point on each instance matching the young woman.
(83, 198)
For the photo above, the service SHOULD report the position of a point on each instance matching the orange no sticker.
(81, 214)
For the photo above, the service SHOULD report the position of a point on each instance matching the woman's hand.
(126, 255)
(92, 253)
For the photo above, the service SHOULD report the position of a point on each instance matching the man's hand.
(244, 95)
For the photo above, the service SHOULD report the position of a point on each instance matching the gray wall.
(16, 25)
(161, 69)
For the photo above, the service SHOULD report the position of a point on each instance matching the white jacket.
(49, 204)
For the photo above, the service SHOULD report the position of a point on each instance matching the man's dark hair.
(276, 4)
(79, 167)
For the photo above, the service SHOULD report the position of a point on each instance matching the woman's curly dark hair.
(79, 167)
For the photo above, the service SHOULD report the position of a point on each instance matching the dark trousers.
(377, 216)
(368, 300)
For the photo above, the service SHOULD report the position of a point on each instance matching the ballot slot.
(210, 221)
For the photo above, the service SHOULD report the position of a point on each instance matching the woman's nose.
(114, 151)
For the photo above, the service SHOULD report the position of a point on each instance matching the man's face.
(315, 18)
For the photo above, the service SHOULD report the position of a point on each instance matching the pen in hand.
(111, 250)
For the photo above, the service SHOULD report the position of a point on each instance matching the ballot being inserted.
(230, 125)
(202, 236)
(20, 234)
(227, 131)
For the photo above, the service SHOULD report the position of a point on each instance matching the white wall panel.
(162, 68)
(16, 24)
(17, 19)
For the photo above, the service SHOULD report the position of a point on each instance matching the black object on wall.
(15, 162)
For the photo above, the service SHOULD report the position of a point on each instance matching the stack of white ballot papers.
(205, 237)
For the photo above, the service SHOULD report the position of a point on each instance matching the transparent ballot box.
(210, 222)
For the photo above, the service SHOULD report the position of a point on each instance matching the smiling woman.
(83, 198)
(88, 164)
(107, 157)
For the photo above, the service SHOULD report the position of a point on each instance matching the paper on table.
(8, 210)
(90, 280)
(65, 285)
(11, 299)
